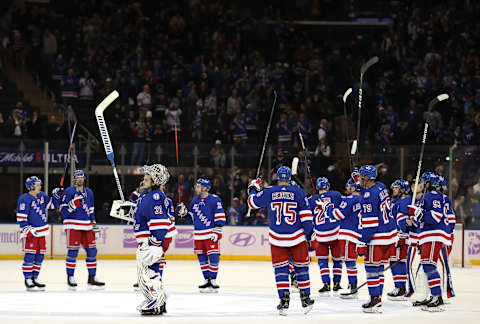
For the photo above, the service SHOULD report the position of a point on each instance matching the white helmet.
(158, 172)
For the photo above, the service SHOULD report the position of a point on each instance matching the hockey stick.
(363, 70)
(106, 138)
(267, 131)
(432, 104)
(295, 172)
(366, 282)
(306, 154)
(67, 162)
(176, 150)
(347, 137)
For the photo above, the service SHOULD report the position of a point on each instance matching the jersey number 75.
(285, 209)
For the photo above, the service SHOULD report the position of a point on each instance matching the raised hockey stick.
(431, 105)
(67, 162)
(176, 150)
(347, 137)
(106, 138)
(265, 139)
(295, 172)
(306, 154)
(363, 70)
(366, 282)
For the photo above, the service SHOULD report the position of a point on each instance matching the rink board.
(118, 242)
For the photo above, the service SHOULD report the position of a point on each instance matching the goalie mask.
(158, 173)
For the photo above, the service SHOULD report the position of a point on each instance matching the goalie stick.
(106, 138)
(363, 70)
(267, 131)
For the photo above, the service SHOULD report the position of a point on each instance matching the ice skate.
(307, 302)
(397, 294)
(424, 302)
(352, 294)
(205, 287)
(336, 288)
(213, 286)
(94, 284)
(436, 304)
(40, 286)
(30, 285)
(135, 286)
(374, 305)
(72, 284)
(325, 291)
(284, 304)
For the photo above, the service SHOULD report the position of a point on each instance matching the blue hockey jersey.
(326, 228)
(400, 214)
(290, 218)
(151, 217)
(82, 217)
(206, 214)
(414, 231)
(349, 214)
(172, 230)
(434, 226)
(33, 211)
(450, 215)
(378, 225)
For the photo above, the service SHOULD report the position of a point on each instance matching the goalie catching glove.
(123, 210)
(149, 254)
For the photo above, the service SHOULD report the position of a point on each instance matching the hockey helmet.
(30, 182)
(322, 183)
(368, 170)
(158, 173)
(284, 173)
(204, 183)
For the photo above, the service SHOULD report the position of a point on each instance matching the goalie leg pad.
(150, 284)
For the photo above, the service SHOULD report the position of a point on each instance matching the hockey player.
(433, 236)
(77, 208)
(326, 234)
(400, 189)
(379, 233)
(208, 217)
(290, 228)
(349, 214)
(32, 218)
(151, 226)
(450, 215)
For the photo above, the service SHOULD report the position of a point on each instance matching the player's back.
(435, 225)
(326, 228)
(351, 212)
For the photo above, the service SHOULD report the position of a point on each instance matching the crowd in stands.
(210, 70)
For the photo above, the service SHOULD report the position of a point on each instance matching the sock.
(71, 261)
(27, 266)
(281, 277)
(399, 274)
(337, 270)
(91, 261)
(203, 260)
(324, 270)
(381, 276)
(214, 260)
(303, 278)
(433, 278)
(373, 280)
(37, 265)
(351, 272)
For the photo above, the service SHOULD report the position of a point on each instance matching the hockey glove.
(28, 230)
(216, 234)
(322, 205)
(361, 250)
(181, 210)
(415, 213)
(149, 255)
(75, 203)
(356, 176)
(96, 230)
(254, 185)
(57, 193)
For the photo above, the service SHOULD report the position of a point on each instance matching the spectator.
(140, 134)
(284, 131)
(323, 130)
(69, 86)
(173, 117)
(87, 86)
(238, 129)
(144, 99)
(16, 125)
(217, 155)
(236, 212)
(49, 46)
(251, 120)
(234, 102)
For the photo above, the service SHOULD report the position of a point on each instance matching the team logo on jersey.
(156, 196)
(22, 206)
(367, 194)
(343, 204)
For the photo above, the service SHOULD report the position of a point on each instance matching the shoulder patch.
(156, 196)
(367, 194)
(22, 206)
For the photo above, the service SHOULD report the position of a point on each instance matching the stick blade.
(346, 94)
(295, 165)
(354, 148)
(368, 64)
(106, 102)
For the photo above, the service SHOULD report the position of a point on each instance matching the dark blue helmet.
(368, 170)
(402, 184)
(204, 183)
(284, 173)
(430, 177)
(78, 174)
(322, 183)
(442, 183)
(31, 181)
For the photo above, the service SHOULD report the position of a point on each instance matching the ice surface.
(248, 295)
